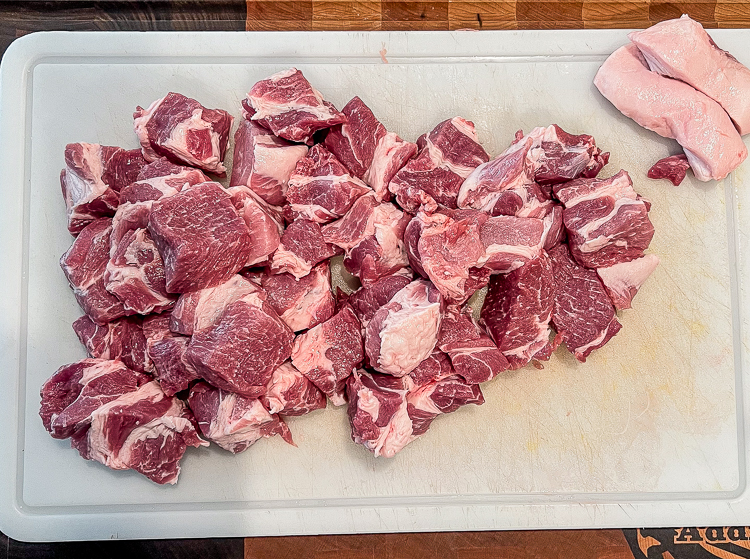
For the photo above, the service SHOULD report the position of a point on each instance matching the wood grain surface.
(499, 14)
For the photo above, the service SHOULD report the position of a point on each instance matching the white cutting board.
(648, 432)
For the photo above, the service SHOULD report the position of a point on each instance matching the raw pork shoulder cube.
(200, 236)
(509, 242)
(262, 162)
(378, 412)
(184, 131)
(367, 300)
(302, 303)
(92, 178)
(681, 49)
(242, 349)
(367, 149)
(473, 354)
(290, 107)
(167, 352)
(404, 332)
(201, 309)
(673, 168)
(328, 353)
(321, 188)
(122, 339)
(606, 221)
(672, 109)
(264, 224)
(425, 403)
(135, 274)
(84, 265)
(448, 155)
(622, 281)
(450, 251)
(517, 312)
(302, 246)
(372, 235)
(437, 366)
(72, 394)
(290, 393)
(142, 430)
(583, 314)
(156, 180)
(232, 421)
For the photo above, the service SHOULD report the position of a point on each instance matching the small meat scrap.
(517, 312)
(75, 391)
(84, 265)
(425, 403)
(265, 224)
(606, 221)
(262, 162)
(436, 366)
(622, 281)
(474, 355)
(135, 274)
(372, 235)
(200, 236)
(201, 309)
(328, 353)
(321, 188)
(404, 332)
(92, 178)
(143, 430)
(367, 300)
(302, 303)
(450, 252)
(167, 352)
(672, 109)
(559, 156)
(290, 393)
(583, 314)
(303, 245)
(447, 156)
(378, 412)
(184, 131)
(122, 339)
(232, 421)
(673, 168)
(367, 149)
(681, 49)
(290, 107)
(245, 344)
(155, 180)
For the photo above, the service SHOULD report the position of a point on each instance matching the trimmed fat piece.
(447, 156)
(321, 188)
(622, 281)
(184, 131)
(404, 332)
(328, 353)
(290, 107)
(583, 314)
(92, 178)
(681, 49)
(262, 162)
(672, 109)
(232, 421)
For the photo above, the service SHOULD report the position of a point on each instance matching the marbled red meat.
(290, 393)
(302, 246)
(673, 168)
(302, 303)
(122, 339)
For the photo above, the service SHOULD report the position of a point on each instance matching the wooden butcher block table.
(20, 18)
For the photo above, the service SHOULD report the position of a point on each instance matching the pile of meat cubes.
(209, 311)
